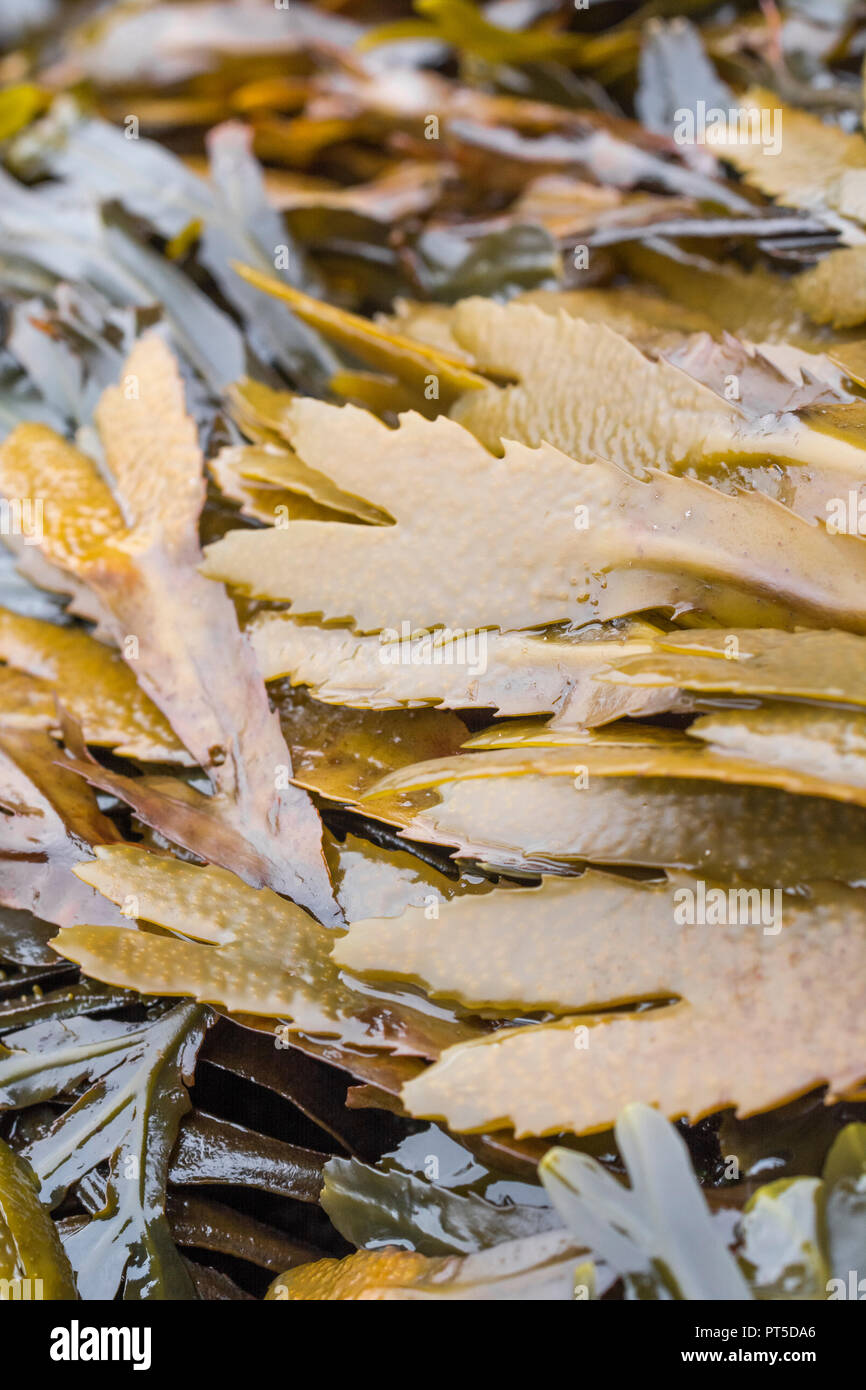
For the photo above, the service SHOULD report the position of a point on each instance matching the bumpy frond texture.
(749, 994)
(605, 544)
(721, 411)
(263, 955)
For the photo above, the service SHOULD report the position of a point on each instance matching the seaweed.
(432, 733)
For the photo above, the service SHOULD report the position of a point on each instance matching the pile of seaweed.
(432, 650)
